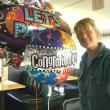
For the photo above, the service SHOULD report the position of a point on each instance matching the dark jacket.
(94, 82)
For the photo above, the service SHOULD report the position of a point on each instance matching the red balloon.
(16, 60)
(2, 54)
(63, 77)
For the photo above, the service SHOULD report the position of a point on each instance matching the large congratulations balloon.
(50, 65)
(32, 31)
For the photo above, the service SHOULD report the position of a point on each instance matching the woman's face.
(87, 36)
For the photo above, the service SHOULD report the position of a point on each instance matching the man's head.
(84, 23)
(87, 33)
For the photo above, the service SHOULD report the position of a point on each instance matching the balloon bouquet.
(32, 32)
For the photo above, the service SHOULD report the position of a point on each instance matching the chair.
(25, 99)
(71, 104)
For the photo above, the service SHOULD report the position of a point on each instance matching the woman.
(94, 79)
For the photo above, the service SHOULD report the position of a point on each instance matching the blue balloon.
(51, 75)
(51, 81)
(40, 77)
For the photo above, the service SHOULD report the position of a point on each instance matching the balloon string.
(49, 102)
(36, 100)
